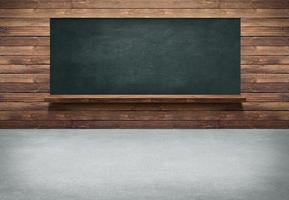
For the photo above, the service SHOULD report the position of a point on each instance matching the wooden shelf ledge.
(145, 99)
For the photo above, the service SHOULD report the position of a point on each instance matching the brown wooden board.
(24, 25)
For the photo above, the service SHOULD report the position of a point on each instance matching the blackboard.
(145, 56)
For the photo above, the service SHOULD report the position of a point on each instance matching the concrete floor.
(144, 164)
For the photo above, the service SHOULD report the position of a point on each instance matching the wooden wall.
(24, 66)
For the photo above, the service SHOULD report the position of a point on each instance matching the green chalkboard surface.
(145, 56)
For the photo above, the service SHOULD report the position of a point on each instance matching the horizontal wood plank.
(24, 50)
(144, 124)
(180, 4)
(14, 22)
(265, 41)
(264, 87)
(44, 22)
(24, 31)
(24, 78)
(174, 13)
(145, 98)
(265, 50)
(43, 106)
(266, 97)
(24, 69)
(264, 60)
(143, 4)
(144, 115)
(39, 97)
(24, 87)
(25, 97)
(25, 41)
(265, 78)
(264, 31)
(24, 60)
(35, 4)
(264, 69)
(281, 22)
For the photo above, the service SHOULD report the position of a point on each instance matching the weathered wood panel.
(24, 41)
(44, 21)
(144, 115)
(24, 69)
(143, 4)
(260, 78)
(24, 66)
(144, 124)
(44, 31)
(24, 60)
(265, 69)
(40, 106)
(24, 87)
(265, 22)
(264, 60)
(25, 50)
(264, 87)
(35, 4)
(265, 41)
(205, 13)
(39, 97)
(262, 50)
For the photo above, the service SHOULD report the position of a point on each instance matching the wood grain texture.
(247, 106)
(127, 13)
(264, 31)
(264, 87)
(143, 4)
(265, 69)
(24, 66)
(24, 87)
(265, 60)
(24, 50)
(144, 124)
(264, 50)
(24, 31)
(24, 41)
(24, 78)
(24, 69)
(145, 98)
(35, 4)
(265, 22)
(264, 78)
(44, 22)
(144, 115)
(265, 41)
(24, 60)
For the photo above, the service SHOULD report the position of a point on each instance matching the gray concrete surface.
(144, 164)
